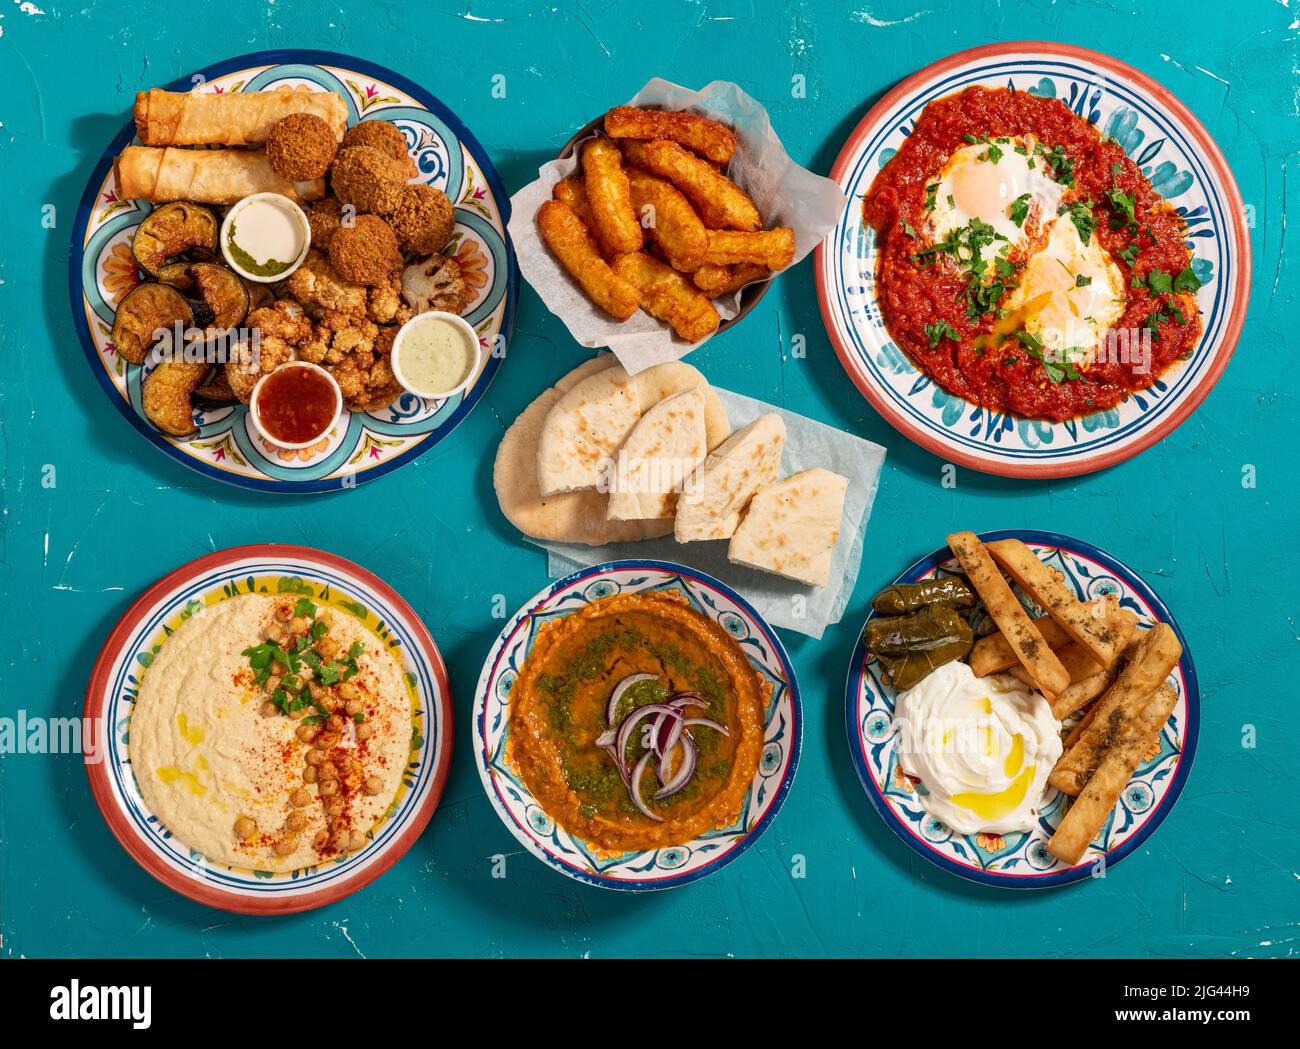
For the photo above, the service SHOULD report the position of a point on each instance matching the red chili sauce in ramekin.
(974, 357)
(296, 405)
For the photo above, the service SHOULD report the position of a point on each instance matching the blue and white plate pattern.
(1172, 150)
(1021, 860)
(362, 446)
(659, 868)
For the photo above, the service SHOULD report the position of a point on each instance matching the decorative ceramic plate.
(362, 446)
(1171, 148)
(673, 865)
(1021, 860)
(271, 569)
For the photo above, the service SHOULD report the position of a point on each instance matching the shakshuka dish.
(1025, 262)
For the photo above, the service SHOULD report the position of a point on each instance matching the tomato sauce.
(296, 405)
(912, 295)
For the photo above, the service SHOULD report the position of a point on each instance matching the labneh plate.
(1022, 860)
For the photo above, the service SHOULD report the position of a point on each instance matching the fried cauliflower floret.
(317, 284)
(281, 327)
(383, 136)
(300, 147)
(365, 252)
(384, 302)
(435, 283)
(423, 219)
(324, 217)
(365, 377)
(368, 178)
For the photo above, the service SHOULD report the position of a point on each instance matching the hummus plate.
(703, 620)
(191, 747)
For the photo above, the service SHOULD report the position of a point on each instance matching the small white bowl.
(425, 318)
(280, 201)
(255, 416)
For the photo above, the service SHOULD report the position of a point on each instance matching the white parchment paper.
(786, 195)
(782, 602)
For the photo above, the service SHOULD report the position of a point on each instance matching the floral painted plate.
(1021, 860)
(1173, 150)
(125, 658)
(660, 868)
(362, 446)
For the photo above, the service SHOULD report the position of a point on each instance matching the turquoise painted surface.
(1220, 877)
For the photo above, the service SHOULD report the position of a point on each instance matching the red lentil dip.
(953, 321)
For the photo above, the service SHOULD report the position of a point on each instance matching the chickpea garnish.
(357, 841)
(245, 828)
(328, 740)
(284, 613)
(300, 798)
(334, 806)
(328, 788)
(296, 821)
(365, 730)
(373, 785)
(307, 733)
(321, 840)
(348, 691)
(269, 709)
(339, 839)
(310, 774)
(285, 844)
(353, 708)
(313, 757)
(328, 647)
(299, 625)
(273, 632)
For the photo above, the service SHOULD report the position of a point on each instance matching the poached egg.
(981, 747)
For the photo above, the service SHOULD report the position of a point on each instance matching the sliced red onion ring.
(635, 787)
(629, 724)
(708, 724)
(619, 691)
(685, 770)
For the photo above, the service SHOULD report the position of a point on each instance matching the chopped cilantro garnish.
(1187, 281)
(1081, 281)
(941, 329)
(1019, 210)
(1084, 221)
(930, 192)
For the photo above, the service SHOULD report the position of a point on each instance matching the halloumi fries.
(1026, 640)
(1096, 800)
(1157, 654)
(669, 296)
(573, 244)
(669, 219)
(773, 248)
(610, 197)
(716, 281)
(1042, 584)
(720, 202)
(708, 138)
(572, 192)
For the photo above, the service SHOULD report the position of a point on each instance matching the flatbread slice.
(717, 493)
(662, 450)
(569, 517)
(791, 527)
(584, 429)
(664, 380)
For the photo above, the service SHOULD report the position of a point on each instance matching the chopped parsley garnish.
(1160, 282)
(907, 228)
(1059, 164)
(1187, 281)
(940, 330)
(1129, 254)
(1122, 204)
(1082, 281)
(1019, 210)
(930, 192)
(1081, 215)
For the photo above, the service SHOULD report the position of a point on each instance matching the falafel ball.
(324, 217)
(365, 252)
(423, 219)
(368, 179)
(300, 147)
(385, 137)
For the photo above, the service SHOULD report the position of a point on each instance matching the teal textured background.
(1220, 877)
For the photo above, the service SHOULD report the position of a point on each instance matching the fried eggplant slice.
(171, 230)
(143, 312)
(223, 291)
(168, 390)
